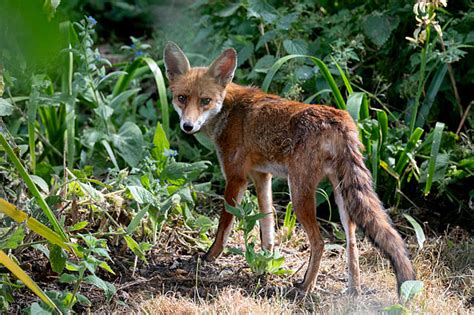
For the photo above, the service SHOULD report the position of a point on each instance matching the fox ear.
(176, 62)
(223, 68)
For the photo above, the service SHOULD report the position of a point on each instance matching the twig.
(463, 119)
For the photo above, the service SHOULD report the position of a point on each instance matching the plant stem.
(421, 81)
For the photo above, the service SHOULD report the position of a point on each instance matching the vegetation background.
(97, 180)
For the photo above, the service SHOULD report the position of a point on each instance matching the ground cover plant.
(106, 205)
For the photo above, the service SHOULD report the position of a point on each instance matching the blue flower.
(133, 46)
(91, 20)
(138, 53)
(170, 153)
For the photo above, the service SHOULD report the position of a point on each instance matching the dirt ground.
(182, 284)
(175, 282)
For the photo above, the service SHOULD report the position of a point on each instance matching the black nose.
(187, 127)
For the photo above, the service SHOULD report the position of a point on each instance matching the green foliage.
(263, 261)
(96, 145)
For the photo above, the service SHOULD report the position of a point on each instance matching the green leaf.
(233, 210)
(68, 278)
(122, 97)
(141, 195)
(6, 109)
(135, 248)
(410, 146)
(409, 289)
(268, 36)
(13, 240)
(261, 9)
(437, 135)
(160, 142)
(396, 309)
(129, 143)
(83, 300)
(108, 288)
(136, 220)
(354, 103)
(41, 183)
(378, 27)
(229, 9)
(295, 46)
(204, 140)
(383, 124)
(420, 235)
(79, 226)
(104, 111)
(57, 258)
(431, 95)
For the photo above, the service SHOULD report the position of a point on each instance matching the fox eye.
(182, 99)
(205, 101)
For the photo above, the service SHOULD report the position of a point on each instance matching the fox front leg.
(263, 186)
(234, 192)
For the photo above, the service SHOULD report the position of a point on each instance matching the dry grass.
(445, 265)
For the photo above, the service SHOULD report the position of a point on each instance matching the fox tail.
(365, 208)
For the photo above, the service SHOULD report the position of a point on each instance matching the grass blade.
(410, 146)
(322, 67)
(32, 187)
(23, 276)
(161, 87)
(36, 226)
(431, 95)
(31, 112)
(344, 77)
(420, 235)
(437, 135)
(131, 72)
(383, 123)
(354, 104)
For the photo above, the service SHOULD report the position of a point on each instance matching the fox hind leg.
(302, 196)
(263, 185)
(351, 241)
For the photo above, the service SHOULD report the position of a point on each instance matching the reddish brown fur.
(257, 133)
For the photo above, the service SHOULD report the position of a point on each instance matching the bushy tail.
(365, 208)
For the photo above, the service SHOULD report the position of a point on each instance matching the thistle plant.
(425, 15)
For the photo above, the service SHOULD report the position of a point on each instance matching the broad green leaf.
(409, 289)
(13, 240)
(135, 248)
(431, 95)
(295, 46)
(354, 103)
(262, 10)
(108, 288)
(21, 274)
(129, 143)
(57, 258)
(383, 124)
(264, 64)
(437, 135)
(68, 278)
(236, 211)
(141, 195)
(6, 109)
(204, 140)
(229, 10)
(378, 27)
(104, 111)
(122, 97)
(41, 183)
(420, 235)
(265, 38)
(160, 143)
(136, 220)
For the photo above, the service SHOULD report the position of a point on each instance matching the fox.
(259, 135)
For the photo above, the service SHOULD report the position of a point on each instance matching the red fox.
(258, 135)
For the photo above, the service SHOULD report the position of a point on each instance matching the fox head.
(199, 92)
